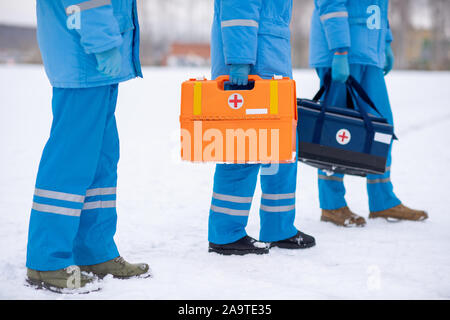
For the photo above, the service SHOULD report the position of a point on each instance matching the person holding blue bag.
(352, 37)
(88, 47)
(253, 37)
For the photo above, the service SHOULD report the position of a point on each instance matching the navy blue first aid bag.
(348, 140)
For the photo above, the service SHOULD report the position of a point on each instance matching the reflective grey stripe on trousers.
(280, 196)
(239, 23)
(99, 205)
(86, 5)
(236, 199)
(56, 210)
(331, 178)
(231, 212)
(101, 191)
(339, 14)
(277, 208)
(58, 195)
(373, 181)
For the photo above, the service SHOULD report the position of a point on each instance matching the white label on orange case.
(256, 111)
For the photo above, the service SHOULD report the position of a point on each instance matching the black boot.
(243, 246)
(299, 241)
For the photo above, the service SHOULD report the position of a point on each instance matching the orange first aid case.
(257, 125)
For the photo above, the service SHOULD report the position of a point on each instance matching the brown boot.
(343, 217)
(400, 212)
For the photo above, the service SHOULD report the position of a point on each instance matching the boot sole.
(41, 285)
(292, 245)
(353, 225)
(146, 275)
(394, 220)
(230, 252)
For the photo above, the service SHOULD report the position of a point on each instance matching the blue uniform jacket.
(70, 32)
(360, 25)
(254, 32)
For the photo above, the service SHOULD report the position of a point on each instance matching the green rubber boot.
(119, 268)
(67, 280)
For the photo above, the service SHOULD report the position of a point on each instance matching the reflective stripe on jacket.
(361, 25)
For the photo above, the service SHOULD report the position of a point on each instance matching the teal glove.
(389, 62)
(109, 62)
(340, 68)
(239, 74)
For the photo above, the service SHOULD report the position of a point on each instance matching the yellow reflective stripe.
(197, 98)
(273, 97)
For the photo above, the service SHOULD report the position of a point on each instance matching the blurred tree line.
(421, 30)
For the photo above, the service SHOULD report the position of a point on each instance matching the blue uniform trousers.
(379, 187)
(234, 186)
(73, 218)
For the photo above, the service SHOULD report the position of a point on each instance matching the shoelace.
(71, 269)
(120, 260)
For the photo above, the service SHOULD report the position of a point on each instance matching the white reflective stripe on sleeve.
(278, 196)
(231, 212)
(339, 14)
(239, 23)
(58, 195)
(56, 210)
(99, 205)
(236, 199)
(86, 5)
(101, 191)
(277, 208)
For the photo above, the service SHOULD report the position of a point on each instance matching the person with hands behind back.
(88, 47)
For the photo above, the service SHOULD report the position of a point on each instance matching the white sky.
(19, 12)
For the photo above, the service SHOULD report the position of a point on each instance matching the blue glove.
(389, 63)
(340, 68)
(109, 62)
(239, 74)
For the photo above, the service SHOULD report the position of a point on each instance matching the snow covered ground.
(163, 203)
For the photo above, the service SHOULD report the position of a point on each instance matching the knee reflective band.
(58, 195)
(278, 196)
(373, 181)
(57, 202)
(237, 199)
(233, 199)
(100, 204)
(47, 201)
(330, 178)
(281, 196)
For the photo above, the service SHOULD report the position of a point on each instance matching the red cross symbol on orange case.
(235, 101)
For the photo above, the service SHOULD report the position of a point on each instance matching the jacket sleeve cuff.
(337, 32)
(389, 36)
(239, 51)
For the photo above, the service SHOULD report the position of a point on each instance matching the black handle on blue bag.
(363, 112)
(352, 86)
